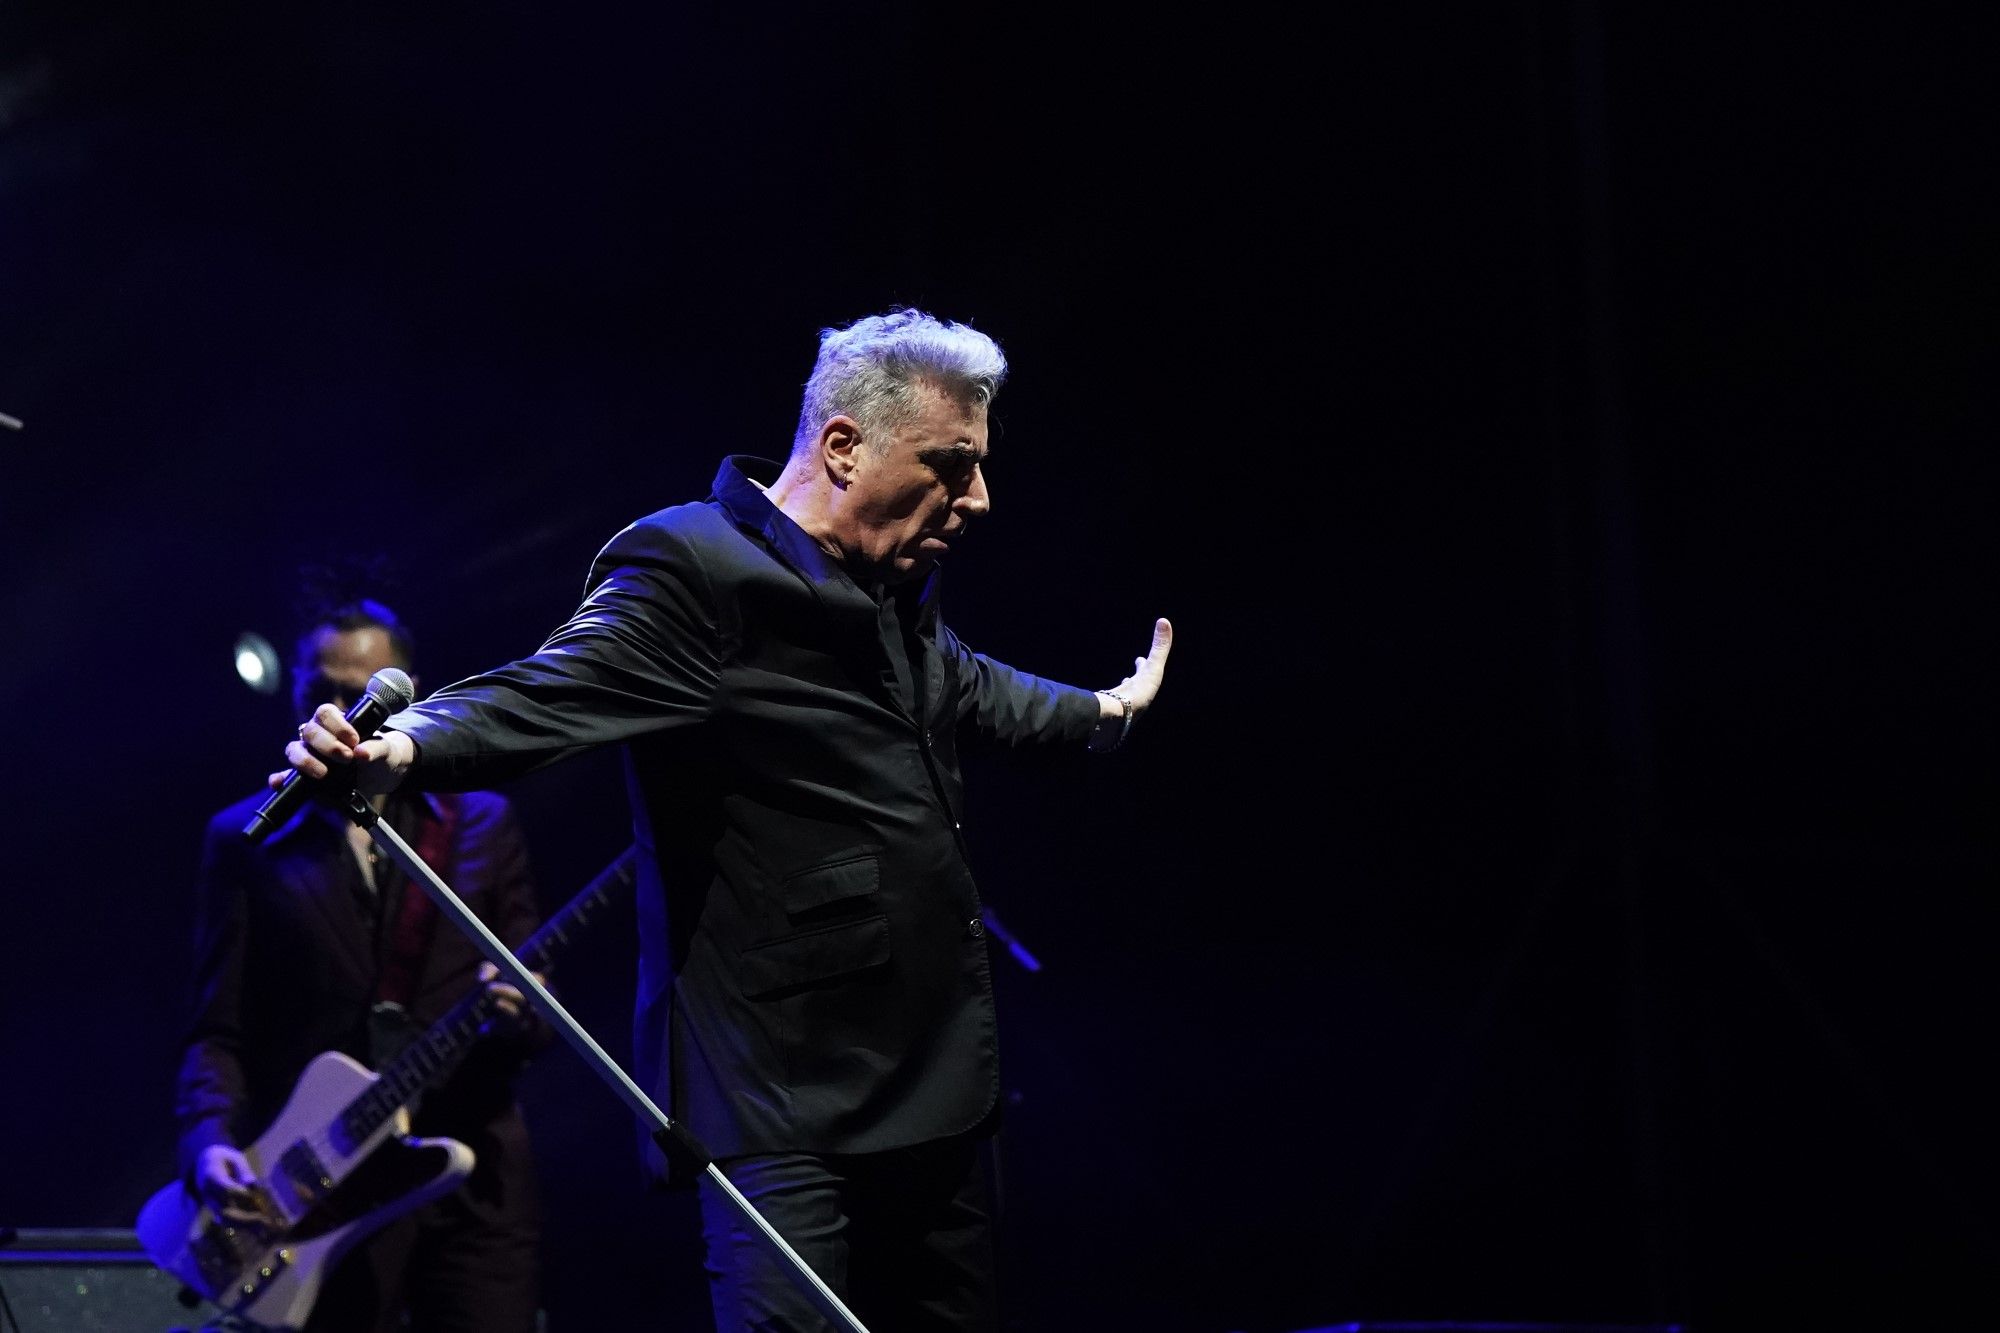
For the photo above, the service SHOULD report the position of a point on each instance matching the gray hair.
(870, 369)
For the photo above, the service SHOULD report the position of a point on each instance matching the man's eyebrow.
(956, 447)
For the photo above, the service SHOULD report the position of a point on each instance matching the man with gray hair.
(815, 996)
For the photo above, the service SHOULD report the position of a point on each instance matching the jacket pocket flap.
(853, 876)
(815, 955)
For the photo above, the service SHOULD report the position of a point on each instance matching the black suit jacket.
(813, 975)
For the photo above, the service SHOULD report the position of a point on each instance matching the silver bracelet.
(1124, 721)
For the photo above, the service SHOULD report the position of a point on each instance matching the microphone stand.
(674, 1139)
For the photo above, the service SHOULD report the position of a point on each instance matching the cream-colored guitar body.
(319, 1196)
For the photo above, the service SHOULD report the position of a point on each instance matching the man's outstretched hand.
(1148, 671)
(1136, 691)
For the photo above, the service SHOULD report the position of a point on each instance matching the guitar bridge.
(219, 1255)
(223, 1250)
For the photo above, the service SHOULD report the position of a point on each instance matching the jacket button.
(975, 928)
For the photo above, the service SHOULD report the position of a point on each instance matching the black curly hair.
(337, 597)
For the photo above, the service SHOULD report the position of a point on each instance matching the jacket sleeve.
(210, 1089)
(1013, 706)
(641, 655)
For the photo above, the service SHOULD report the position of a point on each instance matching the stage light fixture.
(257, 662)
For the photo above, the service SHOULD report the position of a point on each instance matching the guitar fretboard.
(431, 1057)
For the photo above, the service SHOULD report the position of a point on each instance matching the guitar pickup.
(305, 1174)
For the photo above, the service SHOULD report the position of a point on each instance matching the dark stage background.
(1558, 881)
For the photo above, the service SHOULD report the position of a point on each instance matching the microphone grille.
(391, 688)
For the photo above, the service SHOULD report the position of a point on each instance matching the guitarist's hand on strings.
(227, 1184)
(327, 738)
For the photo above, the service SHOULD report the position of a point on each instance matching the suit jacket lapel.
(855, 615)
(332, 899)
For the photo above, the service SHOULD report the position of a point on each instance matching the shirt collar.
(739, 489)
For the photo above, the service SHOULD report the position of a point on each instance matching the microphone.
(389, 691)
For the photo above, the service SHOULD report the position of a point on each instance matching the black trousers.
(905, 1238)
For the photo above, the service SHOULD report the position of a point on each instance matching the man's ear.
(840, 448)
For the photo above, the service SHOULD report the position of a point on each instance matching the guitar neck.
(431, 1057)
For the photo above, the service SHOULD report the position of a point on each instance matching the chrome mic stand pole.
(673, 1139)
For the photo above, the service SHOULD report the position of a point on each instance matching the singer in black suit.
(306, 942)
(815, 997)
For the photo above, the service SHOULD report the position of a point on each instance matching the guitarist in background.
(308, 943)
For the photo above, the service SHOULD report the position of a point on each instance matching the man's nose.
(976, 500)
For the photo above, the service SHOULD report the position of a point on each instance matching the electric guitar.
(339, 1163)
